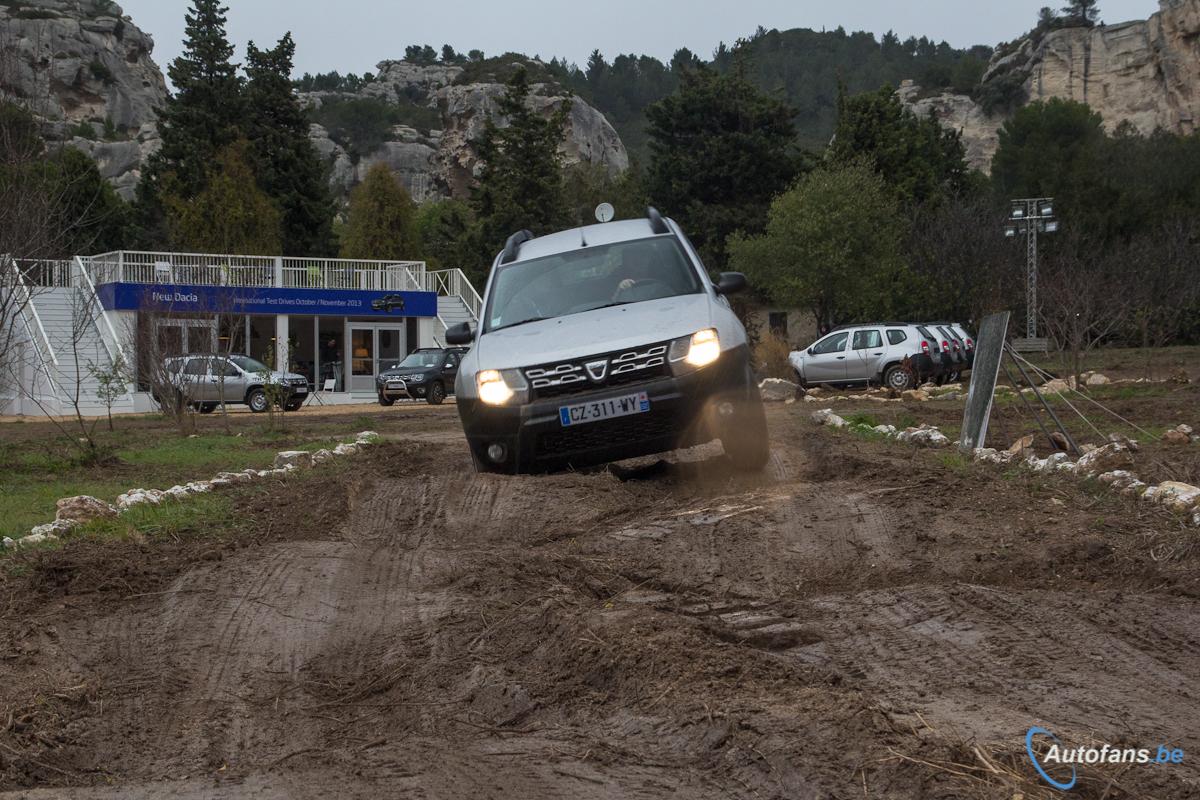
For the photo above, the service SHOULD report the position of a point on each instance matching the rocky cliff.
(441, 162)
(85, 70)
(1146, 73)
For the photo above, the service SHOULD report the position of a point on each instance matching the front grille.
(298, 381)
(606, 433)
(622, 367)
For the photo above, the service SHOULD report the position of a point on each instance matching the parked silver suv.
(207, 381)
(603, 343)
(898, 355)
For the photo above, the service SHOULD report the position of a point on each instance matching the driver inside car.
(637, 265)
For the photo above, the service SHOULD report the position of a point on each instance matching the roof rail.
(513, 246)
(657, 223)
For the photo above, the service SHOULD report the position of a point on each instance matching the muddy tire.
(899, 378)
(746, 441)
(386, 401)
(435, 394)
(257, 400)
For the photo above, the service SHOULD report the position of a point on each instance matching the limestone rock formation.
(1146, 73)
(80, 61)
(441, 162)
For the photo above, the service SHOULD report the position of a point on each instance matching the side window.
(196, 367)
(224, 369)
(451, 360)
(865, 340)
(897, 336)
(831, 344)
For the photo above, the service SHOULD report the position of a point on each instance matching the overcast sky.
(354, 35)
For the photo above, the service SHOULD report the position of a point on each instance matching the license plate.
(395, 385)
(604, 409)
(302, 390)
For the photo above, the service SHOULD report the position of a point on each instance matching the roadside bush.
(771, 358)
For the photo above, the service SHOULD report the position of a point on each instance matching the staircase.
(458, 301)
(68, 342)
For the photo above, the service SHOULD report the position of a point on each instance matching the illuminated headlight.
(698, 350)
(497, 388)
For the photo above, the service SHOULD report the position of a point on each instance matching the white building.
(337, 322)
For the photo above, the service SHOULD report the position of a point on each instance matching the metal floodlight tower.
(1030, 217)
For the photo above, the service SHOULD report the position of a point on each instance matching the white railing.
(116, 350)
(26, 311)
(453, 283)
(204, 269)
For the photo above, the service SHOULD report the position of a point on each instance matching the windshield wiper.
(522, 322)
(608, 305)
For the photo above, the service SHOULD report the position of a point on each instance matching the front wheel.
(386, 401)
(435, 394)
(257, 400)
(899, 378)
(294, 405)
(746, 441)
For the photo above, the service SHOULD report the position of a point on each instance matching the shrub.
(771, 358)
(100, 72)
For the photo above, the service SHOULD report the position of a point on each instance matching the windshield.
(430, 359)
(250, 364)
(582, 280)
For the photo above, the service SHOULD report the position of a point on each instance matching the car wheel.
(294, 405)
(257, 400)
(746, 441)
(207, 408)
(436, 394)
(386, 401)
(898, 377)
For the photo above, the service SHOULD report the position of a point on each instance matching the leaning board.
(989, 348)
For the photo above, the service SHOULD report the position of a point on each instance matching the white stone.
(1178, 496)
(36, 538)
(322, 456)
(776, 390)
(56, 528)
(293, 457)
(83, 508)
(827, 417)
(367, 437)
(345, 449)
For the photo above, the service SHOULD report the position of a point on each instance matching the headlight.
(416, 378)
(497, 388)
(698, 350)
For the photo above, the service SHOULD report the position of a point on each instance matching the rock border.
(922, 436)
(74, 512)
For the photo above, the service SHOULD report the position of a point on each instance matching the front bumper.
(403, 391)
(683, 412)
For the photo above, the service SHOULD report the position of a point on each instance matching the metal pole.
(1031, 279)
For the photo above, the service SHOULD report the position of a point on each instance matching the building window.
(777, 322)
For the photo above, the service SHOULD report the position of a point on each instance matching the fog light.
(725, 409)
(497, 452)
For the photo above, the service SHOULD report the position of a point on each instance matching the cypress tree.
(285, 162)
(200, 120)
(382, 220)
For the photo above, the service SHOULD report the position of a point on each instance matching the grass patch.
(861, 418)
(955, 461)
(38, 472)
(197, 514)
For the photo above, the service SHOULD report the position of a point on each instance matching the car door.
(450, 370)
(866, 351)
(194, 379)
(826, 360)
(230, 382)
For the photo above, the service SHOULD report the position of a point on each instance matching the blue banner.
(187, 299)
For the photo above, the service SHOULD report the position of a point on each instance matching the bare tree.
(1084, 297)
(1166, 291)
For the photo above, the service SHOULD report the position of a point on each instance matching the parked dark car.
(427, 373)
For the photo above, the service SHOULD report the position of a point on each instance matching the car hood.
(601, 331)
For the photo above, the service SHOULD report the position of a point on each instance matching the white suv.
(866, 353)
(602, 343)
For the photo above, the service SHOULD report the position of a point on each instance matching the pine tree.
(202, 117)
(284, 160)
(199, 121)
(520, 185)
(720, 151)
(382, 219)
(230, 215)
(1082, 12)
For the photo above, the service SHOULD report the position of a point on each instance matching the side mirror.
(731, 283)
(460, 334)
(810, 352)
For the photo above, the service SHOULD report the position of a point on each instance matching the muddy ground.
(862, 620)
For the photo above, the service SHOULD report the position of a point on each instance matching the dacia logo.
(597, 370)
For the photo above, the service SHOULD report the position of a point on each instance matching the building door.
(373, 348)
